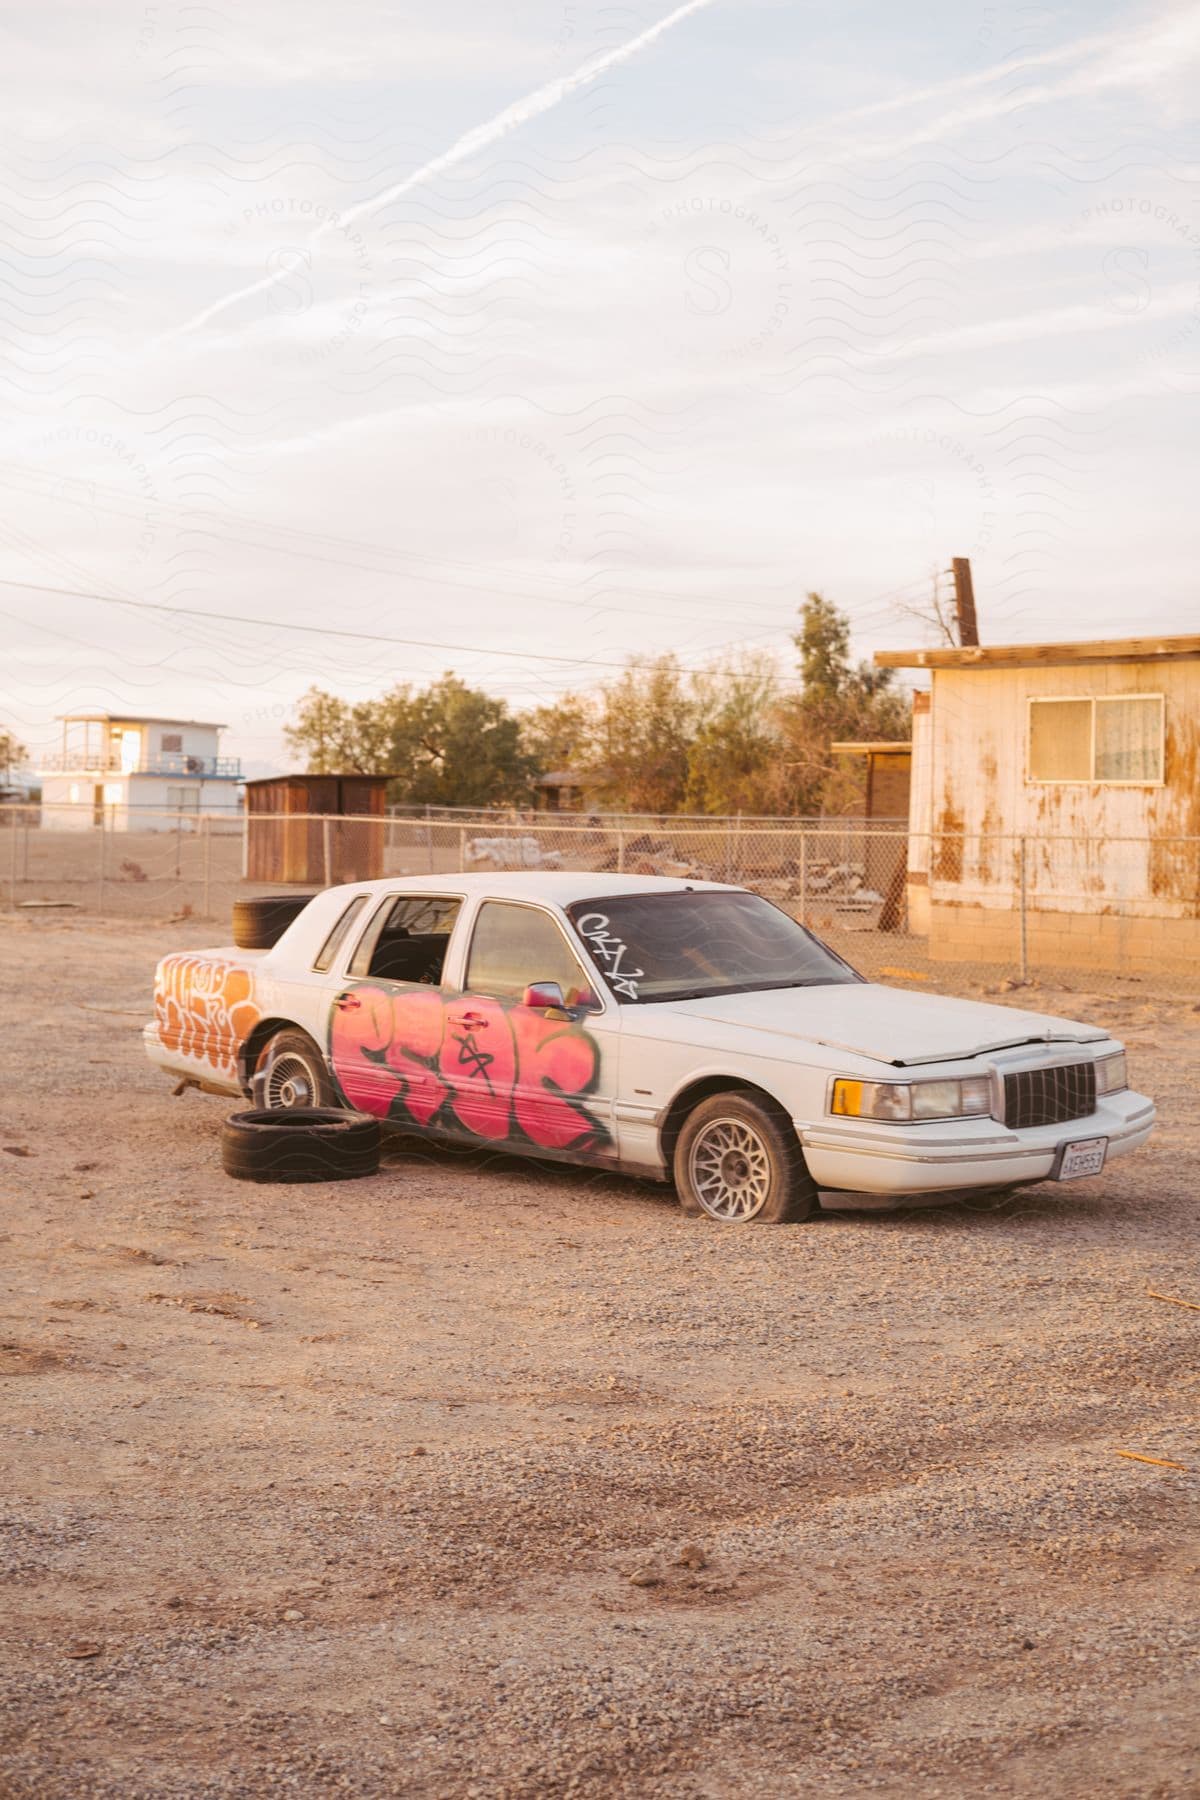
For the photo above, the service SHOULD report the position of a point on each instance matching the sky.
(344, 345)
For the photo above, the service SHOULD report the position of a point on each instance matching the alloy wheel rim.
(730, 1170)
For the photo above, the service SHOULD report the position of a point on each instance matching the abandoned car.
(670, 1029)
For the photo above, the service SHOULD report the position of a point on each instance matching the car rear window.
(338, 935)
(407, 939)
(694, 944)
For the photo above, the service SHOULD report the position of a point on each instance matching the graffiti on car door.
(496, 1069)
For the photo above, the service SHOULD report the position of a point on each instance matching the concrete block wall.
(1098, 941)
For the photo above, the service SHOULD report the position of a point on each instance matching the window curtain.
(1129, 736)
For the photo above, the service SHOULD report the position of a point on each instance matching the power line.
(210, 526)
(371, 637)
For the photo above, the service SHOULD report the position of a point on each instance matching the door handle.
(473, 1021)
(348, 1003)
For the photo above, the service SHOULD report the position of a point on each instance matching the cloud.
(630, 381)
(480, 137)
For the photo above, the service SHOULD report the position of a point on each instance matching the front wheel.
(291, 1072)
(737, 1160)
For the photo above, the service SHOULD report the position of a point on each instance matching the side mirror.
(544, 996)
(547, 996)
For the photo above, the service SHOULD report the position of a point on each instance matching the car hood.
(888, 1024)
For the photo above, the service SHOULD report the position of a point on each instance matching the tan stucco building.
(1058, 783)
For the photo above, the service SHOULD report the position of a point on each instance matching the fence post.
(179, 844)
(620, 852)
(206, 855)
(803, 876)
(327, 848)
(15, 822)
(1022, 863)
(100, 882)
(462, 846)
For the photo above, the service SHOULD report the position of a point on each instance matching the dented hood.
(890, 1025)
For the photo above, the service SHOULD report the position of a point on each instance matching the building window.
(183, 799)
(172, 740)
(114, 793)
(1118, 740)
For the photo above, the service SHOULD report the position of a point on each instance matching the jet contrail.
(542, 100)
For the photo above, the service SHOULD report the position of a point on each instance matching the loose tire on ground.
(301, 1143)
(737, 1161)
(258, 924)
(291, 1072)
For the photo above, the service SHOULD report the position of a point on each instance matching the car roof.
(560, 886)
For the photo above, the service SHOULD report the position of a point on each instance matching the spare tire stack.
(292, 1143)
(300, 1143)
(258, 924)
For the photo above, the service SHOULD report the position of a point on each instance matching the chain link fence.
(944, 912)
(546, 818)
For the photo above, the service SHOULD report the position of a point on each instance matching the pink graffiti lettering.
(498, 1071)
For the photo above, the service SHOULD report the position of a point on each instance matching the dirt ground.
(482, 1478)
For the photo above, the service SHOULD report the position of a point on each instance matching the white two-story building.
(136, 774)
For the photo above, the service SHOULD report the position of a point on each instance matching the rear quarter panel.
(206, 1003)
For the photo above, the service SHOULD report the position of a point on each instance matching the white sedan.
(670, 1029)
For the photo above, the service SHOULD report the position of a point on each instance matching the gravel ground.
(485, 1478)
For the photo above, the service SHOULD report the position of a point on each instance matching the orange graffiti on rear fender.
(205, 1008)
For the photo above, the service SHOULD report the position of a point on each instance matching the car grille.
(1048, 1096)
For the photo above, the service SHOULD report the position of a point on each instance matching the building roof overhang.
(124, 718)
(882, 747)
(258, 781)
(1041, 656)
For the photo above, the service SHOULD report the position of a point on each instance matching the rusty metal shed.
(315, 828)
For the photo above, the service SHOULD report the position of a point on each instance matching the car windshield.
(692, 945)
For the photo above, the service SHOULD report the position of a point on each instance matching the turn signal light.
(904, 1102)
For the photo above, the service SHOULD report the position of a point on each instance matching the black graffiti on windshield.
(611, 952)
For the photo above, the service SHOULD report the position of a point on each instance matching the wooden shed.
(888, 774)
(321, 829)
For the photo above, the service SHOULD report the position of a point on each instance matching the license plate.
(1085, 1157)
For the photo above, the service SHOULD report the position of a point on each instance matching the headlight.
(905, 1101)
(1111, 1074)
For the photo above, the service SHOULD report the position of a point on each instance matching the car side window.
(407, 939)
(513, 946)
(339, 934)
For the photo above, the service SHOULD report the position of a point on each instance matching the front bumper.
(861, 1157)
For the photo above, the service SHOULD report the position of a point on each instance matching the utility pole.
(964, 601)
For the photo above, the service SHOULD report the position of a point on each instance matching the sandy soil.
(483, 1478)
